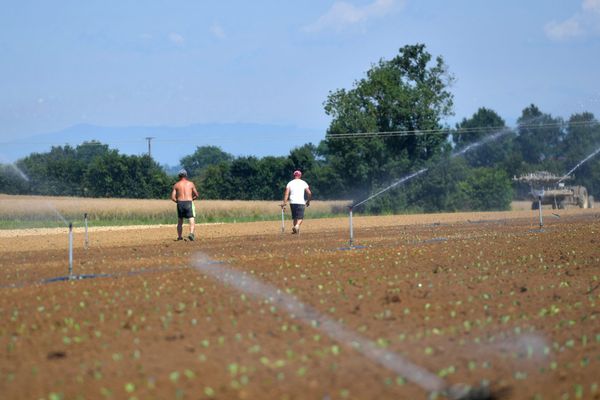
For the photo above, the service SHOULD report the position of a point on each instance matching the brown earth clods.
(479, 298)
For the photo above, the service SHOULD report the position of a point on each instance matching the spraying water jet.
(420, 376)
(470, 147)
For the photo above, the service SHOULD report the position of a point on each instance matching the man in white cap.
(294, 192)
(184, 193)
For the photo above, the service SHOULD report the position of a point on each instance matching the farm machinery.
(547, 188)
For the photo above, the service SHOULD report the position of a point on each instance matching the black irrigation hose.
(91, 276)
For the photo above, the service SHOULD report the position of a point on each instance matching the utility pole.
(149, 139)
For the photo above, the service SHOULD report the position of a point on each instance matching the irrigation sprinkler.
(70, 250)
(351, 227)
(566, 176)
(86, 241)
(406, 178)
(282, 218)
(540, 208)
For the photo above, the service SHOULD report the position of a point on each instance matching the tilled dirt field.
(478, 298)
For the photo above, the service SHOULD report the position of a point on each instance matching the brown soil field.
(246, 312)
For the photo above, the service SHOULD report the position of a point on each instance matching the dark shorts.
(297, 211)
(186, 209)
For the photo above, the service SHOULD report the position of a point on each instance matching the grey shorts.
(297, 211)
(186, 209)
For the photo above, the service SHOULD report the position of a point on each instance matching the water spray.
(427, 380)
(406, 178)
(579, 165)
(21, 173)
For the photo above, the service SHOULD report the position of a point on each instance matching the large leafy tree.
(539, 136)
(116, 175)
(57, 172)
(408, 93)
(12, 180)
(483, 123)
(486, 189)
(496, 149)
(581, 140)
(204, 156)
(92, 169)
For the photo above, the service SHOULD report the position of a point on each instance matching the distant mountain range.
(169, 144)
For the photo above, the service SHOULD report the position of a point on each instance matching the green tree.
(304, 158)
(57, 172)
(539, 136)
(407, 93)
(217, 182)
(581, 140)
(497, 153)
(483, 123)
(439, 190)
(12, 181)
(203, 157)
(486, 189)
(92, 169)
(115, 175)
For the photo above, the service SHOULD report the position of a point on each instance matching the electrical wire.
(448, 131)
(350, 135)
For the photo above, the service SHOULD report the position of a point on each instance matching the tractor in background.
(551, 190)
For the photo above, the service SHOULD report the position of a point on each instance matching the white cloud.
(584, 22)
(217, 31)
(176, 39)
(342, 15)
(565, 30)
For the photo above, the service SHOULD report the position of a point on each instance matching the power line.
(449, 131)
(351, 135)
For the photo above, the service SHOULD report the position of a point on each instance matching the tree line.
(388, 126)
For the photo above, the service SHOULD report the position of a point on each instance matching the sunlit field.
(43, 211)
(422, 305)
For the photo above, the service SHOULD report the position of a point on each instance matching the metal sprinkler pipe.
(70, 250)
(86, 242)
(540, 208)
(351, 227)
(282, 218)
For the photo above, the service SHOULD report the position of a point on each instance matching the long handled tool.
(282, 218)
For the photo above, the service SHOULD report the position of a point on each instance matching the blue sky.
(175, 63)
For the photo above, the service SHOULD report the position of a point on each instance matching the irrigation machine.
(550, 189)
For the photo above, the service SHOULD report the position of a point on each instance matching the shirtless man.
(184, 193)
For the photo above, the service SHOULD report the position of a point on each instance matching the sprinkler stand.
(282, 219)
(86, 242)
(540, 208)
(351, 227)
(70, 250)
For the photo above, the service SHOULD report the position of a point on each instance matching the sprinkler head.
(465, 392)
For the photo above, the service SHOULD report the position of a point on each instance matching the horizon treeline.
(385, 128)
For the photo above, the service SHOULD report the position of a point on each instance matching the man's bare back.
(184, 190)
